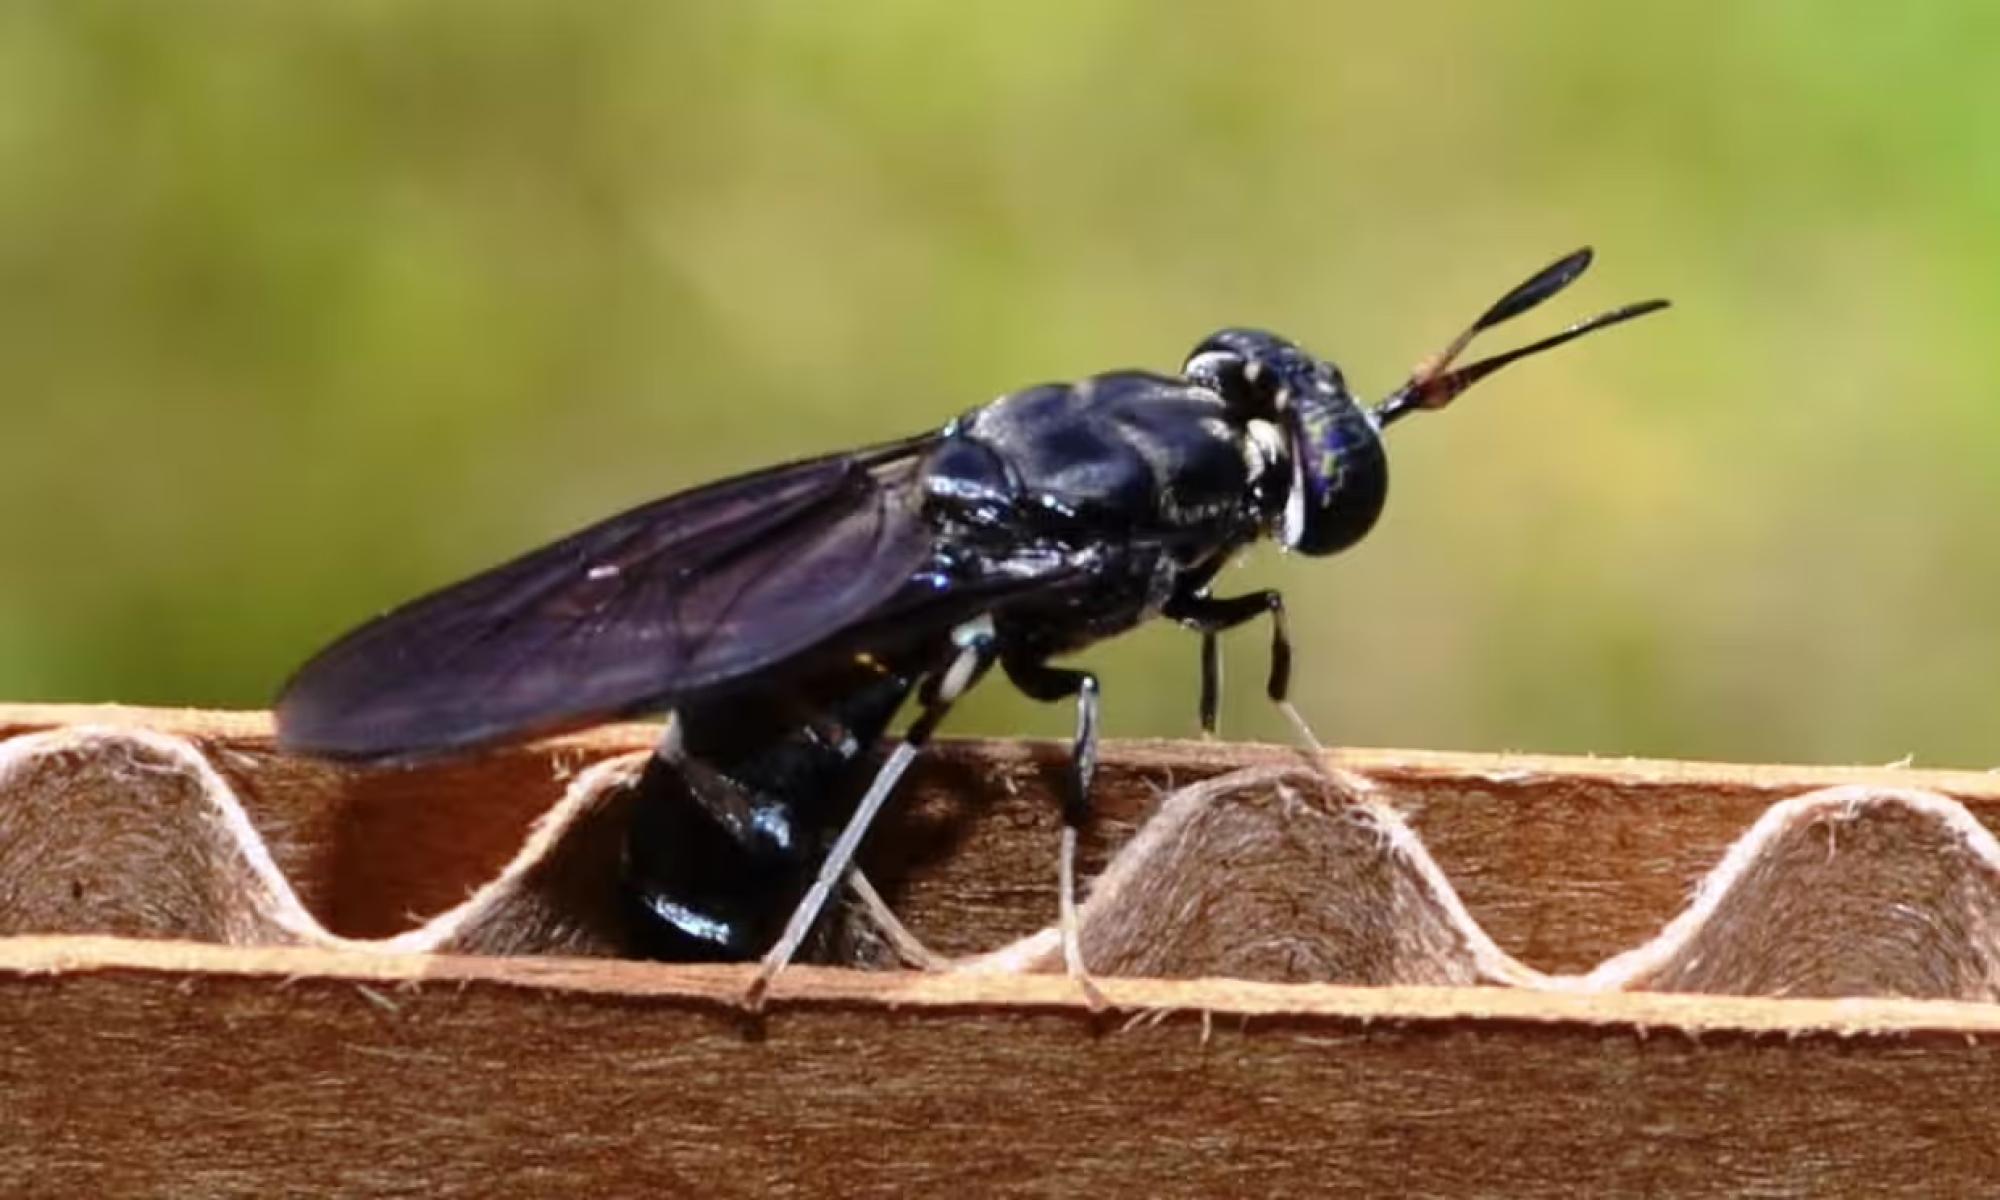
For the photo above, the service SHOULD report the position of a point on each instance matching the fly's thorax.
(1126, 587)
(1124, 455)
(967, 482)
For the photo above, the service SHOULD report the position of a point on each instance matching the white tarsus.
(1072, 930)
(831, 871)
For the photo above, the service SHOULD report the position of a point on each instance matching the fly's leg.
(832, 869)
(1209, 616)
(716, 854)
(974, 655)
(908, 947)
(1040, 681)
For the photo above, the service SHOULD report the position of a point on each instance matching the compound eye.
(1340, 478)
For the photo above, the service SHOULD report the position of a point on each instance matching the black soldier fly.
(783, 617)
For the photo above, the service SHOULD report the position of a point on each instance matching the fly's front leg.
(1042, 682)
(1209, 616)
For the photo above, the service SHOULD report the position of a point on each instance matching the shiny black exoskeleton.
(733, 813)
(784, 616)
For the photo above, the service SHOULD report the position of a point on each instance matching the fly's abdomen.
(730, 826)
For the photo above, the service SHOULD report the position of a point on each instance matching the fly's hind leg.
(972, 656)
(1040, 681)
(907, 946)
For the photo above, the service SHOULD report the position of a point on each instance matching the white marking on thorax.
(604, 571)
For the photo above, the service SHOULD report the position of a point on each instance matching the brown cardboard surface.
(1467, 962)
(149, 1068)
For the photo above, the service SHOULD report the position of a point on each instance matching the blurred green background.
(306, 309)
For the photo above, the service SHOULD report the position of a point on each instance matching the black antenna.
(1432, 386)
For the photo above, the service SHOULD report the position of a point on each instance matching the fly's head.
(1324, 474)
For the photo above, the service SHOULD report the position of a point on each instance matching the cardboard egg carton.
(1387, 971)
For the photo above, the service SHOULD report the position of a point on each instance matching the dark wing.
(630, 614)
